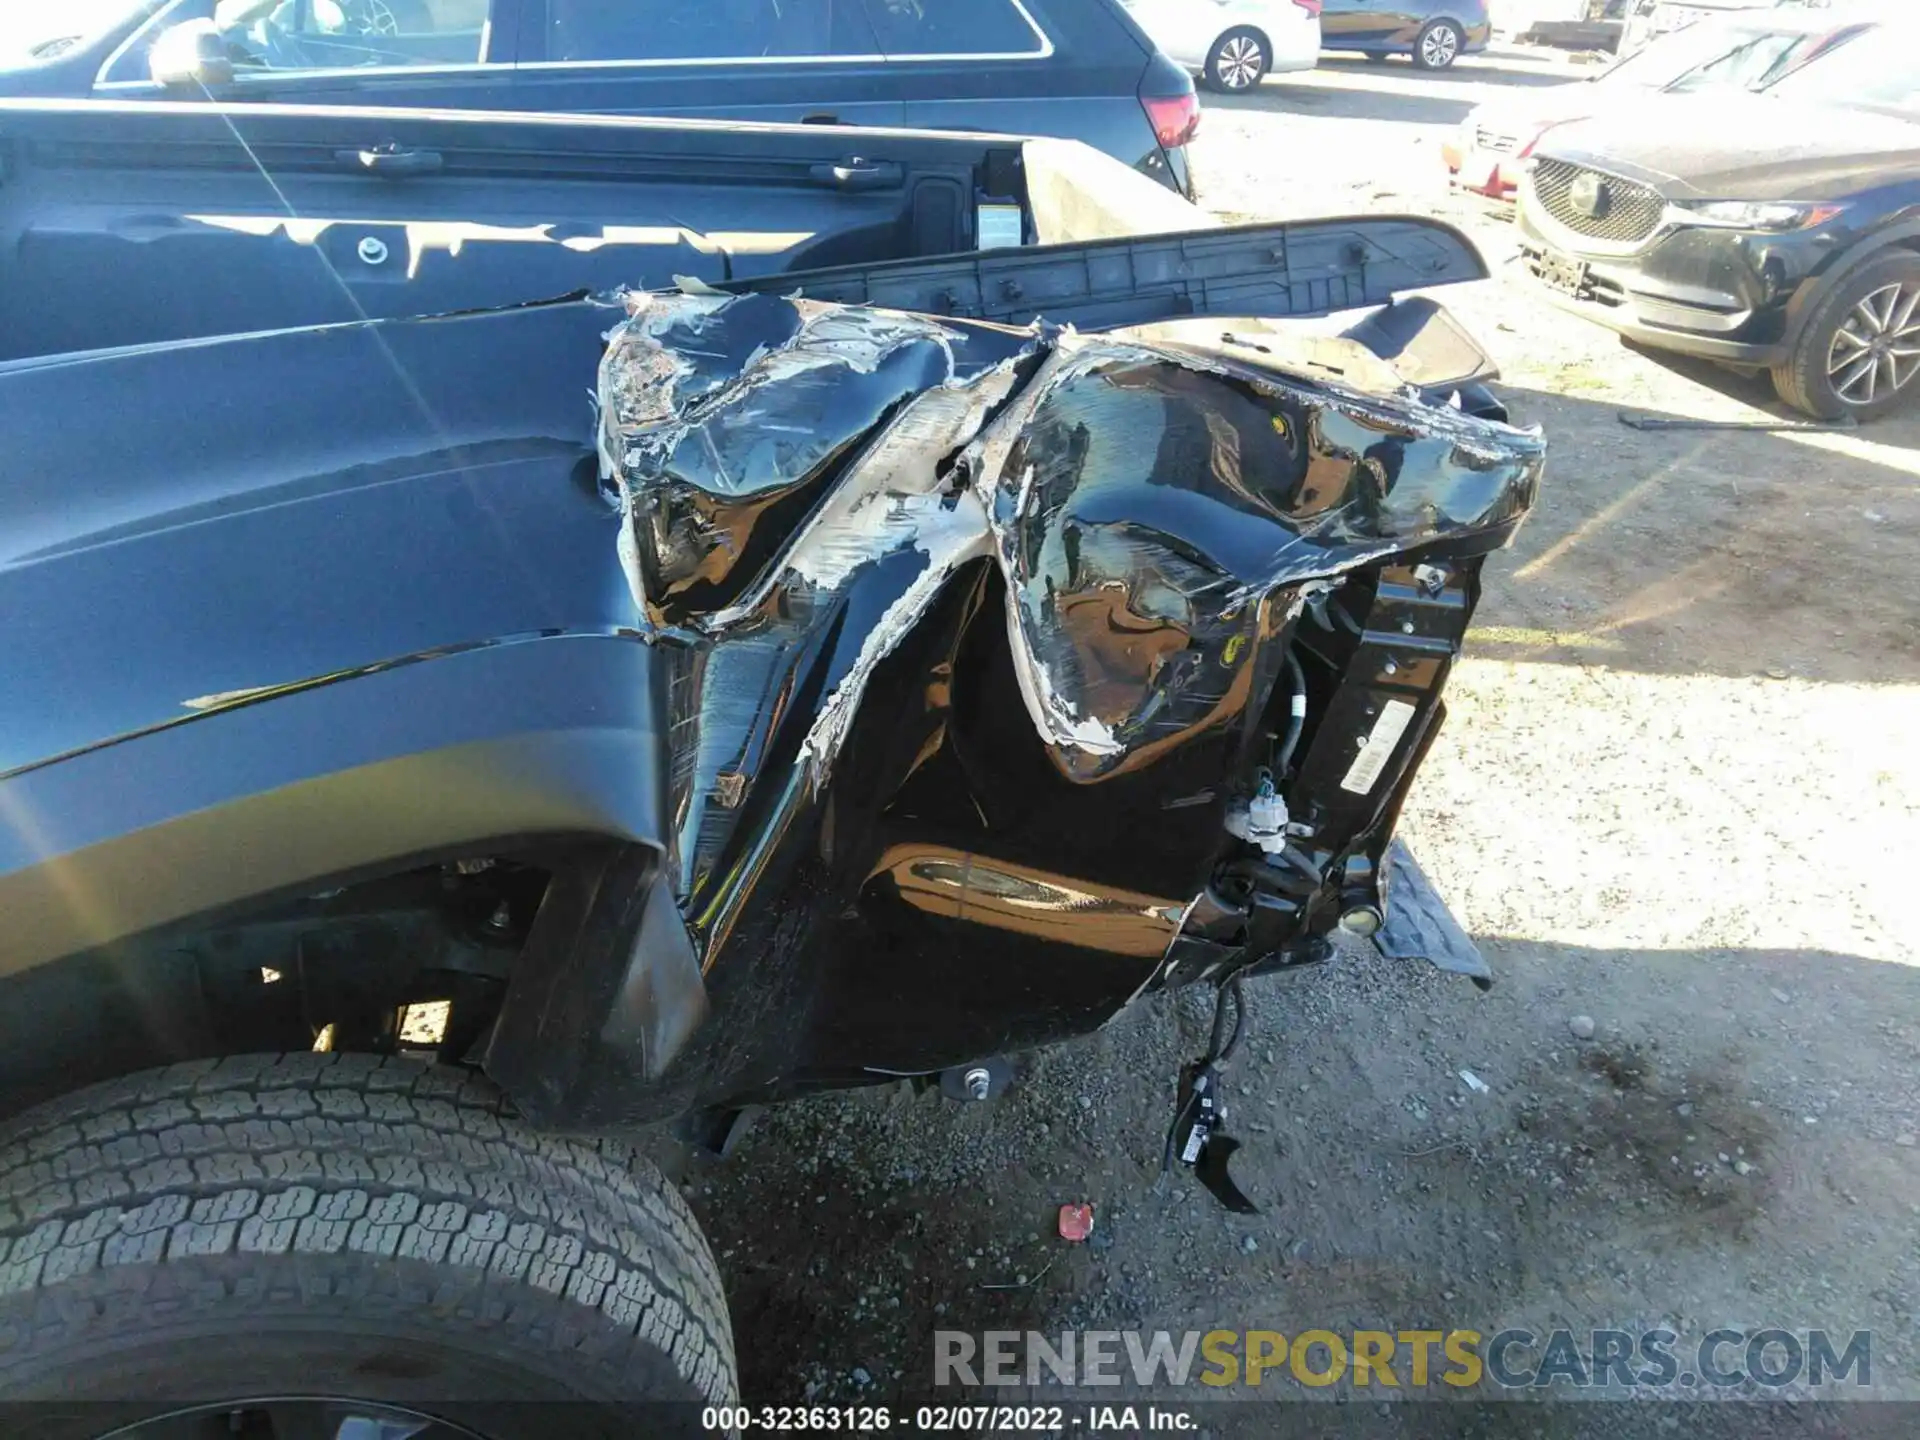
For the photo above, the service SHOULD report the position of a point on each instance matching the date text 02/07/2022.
(956, 1419)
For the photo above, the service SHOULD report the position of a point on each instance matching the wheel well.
(1254, 30)
(1835, 272)
(413, 961)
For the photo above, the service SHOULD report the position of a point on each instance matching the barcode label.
(1364, 773)
(1000, 227)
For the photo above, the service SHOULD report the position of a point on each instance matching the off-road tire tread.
(336, 1155)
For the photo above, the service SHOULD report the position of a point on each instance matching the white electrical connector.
(1264, 821)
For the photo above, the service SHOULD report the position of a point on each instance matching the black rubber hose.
(1297, 713)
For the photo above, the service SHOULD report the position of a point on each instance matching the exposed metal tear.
(804, 481)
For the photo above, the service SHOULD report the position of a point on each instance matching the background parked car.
(1774, 231)
(1074, 68)
(1742, 51)
(1232, 45)
(1653, 18)
(1435, 33)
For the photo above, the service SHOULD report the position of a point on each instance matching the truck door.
(128, 223)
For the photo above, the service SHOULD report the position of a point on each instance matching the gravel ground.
(1677, 797)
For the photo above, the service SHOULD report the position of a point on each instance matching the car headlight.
(1771, 215)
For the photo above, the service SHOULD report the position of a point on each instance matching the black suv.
(1073, 68)
(1777, 231)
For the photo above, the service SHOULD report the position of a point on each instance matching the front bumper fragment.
(1419, 926)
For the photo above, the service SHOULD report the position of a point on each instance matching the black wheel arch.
(1265, 39)
(555, 736)
(1904, 235)
(378, 823)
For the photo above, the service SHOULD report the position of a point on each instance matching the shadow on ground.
(1579, 1189)
(1711, 552)
(1899, 428)
(1321, 101)
(1390, 91)
(1468, 70)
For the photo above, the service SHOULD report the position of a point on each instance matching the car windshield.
(1880, 72)
(1673, 56)
(1716, 53)
(35, 31)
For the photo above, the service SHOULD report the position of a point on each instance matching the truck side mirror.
(190, 55)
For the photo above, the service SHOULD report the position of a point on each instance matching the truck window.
(293, 35)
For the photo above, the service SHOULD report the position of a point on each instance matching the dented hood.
(1737, 146)
(194, 526)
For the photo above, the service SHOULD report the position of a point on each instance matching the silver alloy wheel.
(1440, 47)
(377, 18)
(1241, 64)
(1876, 352)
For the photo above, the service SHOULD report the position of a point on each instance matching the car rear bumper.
(1296, 48)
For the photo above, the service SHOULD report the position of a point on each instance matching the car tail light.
(1312, 7)
(1174, 118)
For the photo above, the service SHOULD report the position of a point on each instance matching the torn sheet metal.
(803, 482)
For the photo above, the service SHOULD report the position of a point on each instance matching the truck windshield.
(33, 32)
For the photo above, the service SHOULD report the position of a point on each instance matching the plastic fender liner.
(606, 994)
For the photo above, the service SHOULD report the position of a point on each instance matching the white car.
(1233, 45)
(1652, 19)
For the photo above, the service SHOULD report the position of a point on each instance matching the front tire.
(1238, 62)
(301, 1240)
(1438, 46)
(1858, 354)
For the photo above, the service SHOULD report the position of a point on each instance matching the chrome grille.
(1492, 142)
(1627, 212)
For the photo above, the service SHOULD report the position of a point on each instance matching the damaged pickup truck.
(434, 749)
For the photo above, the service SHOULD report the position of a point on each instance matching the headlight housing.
(1774, 216)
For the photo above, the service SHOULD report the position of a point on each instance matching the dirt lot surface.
(1677, 795)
